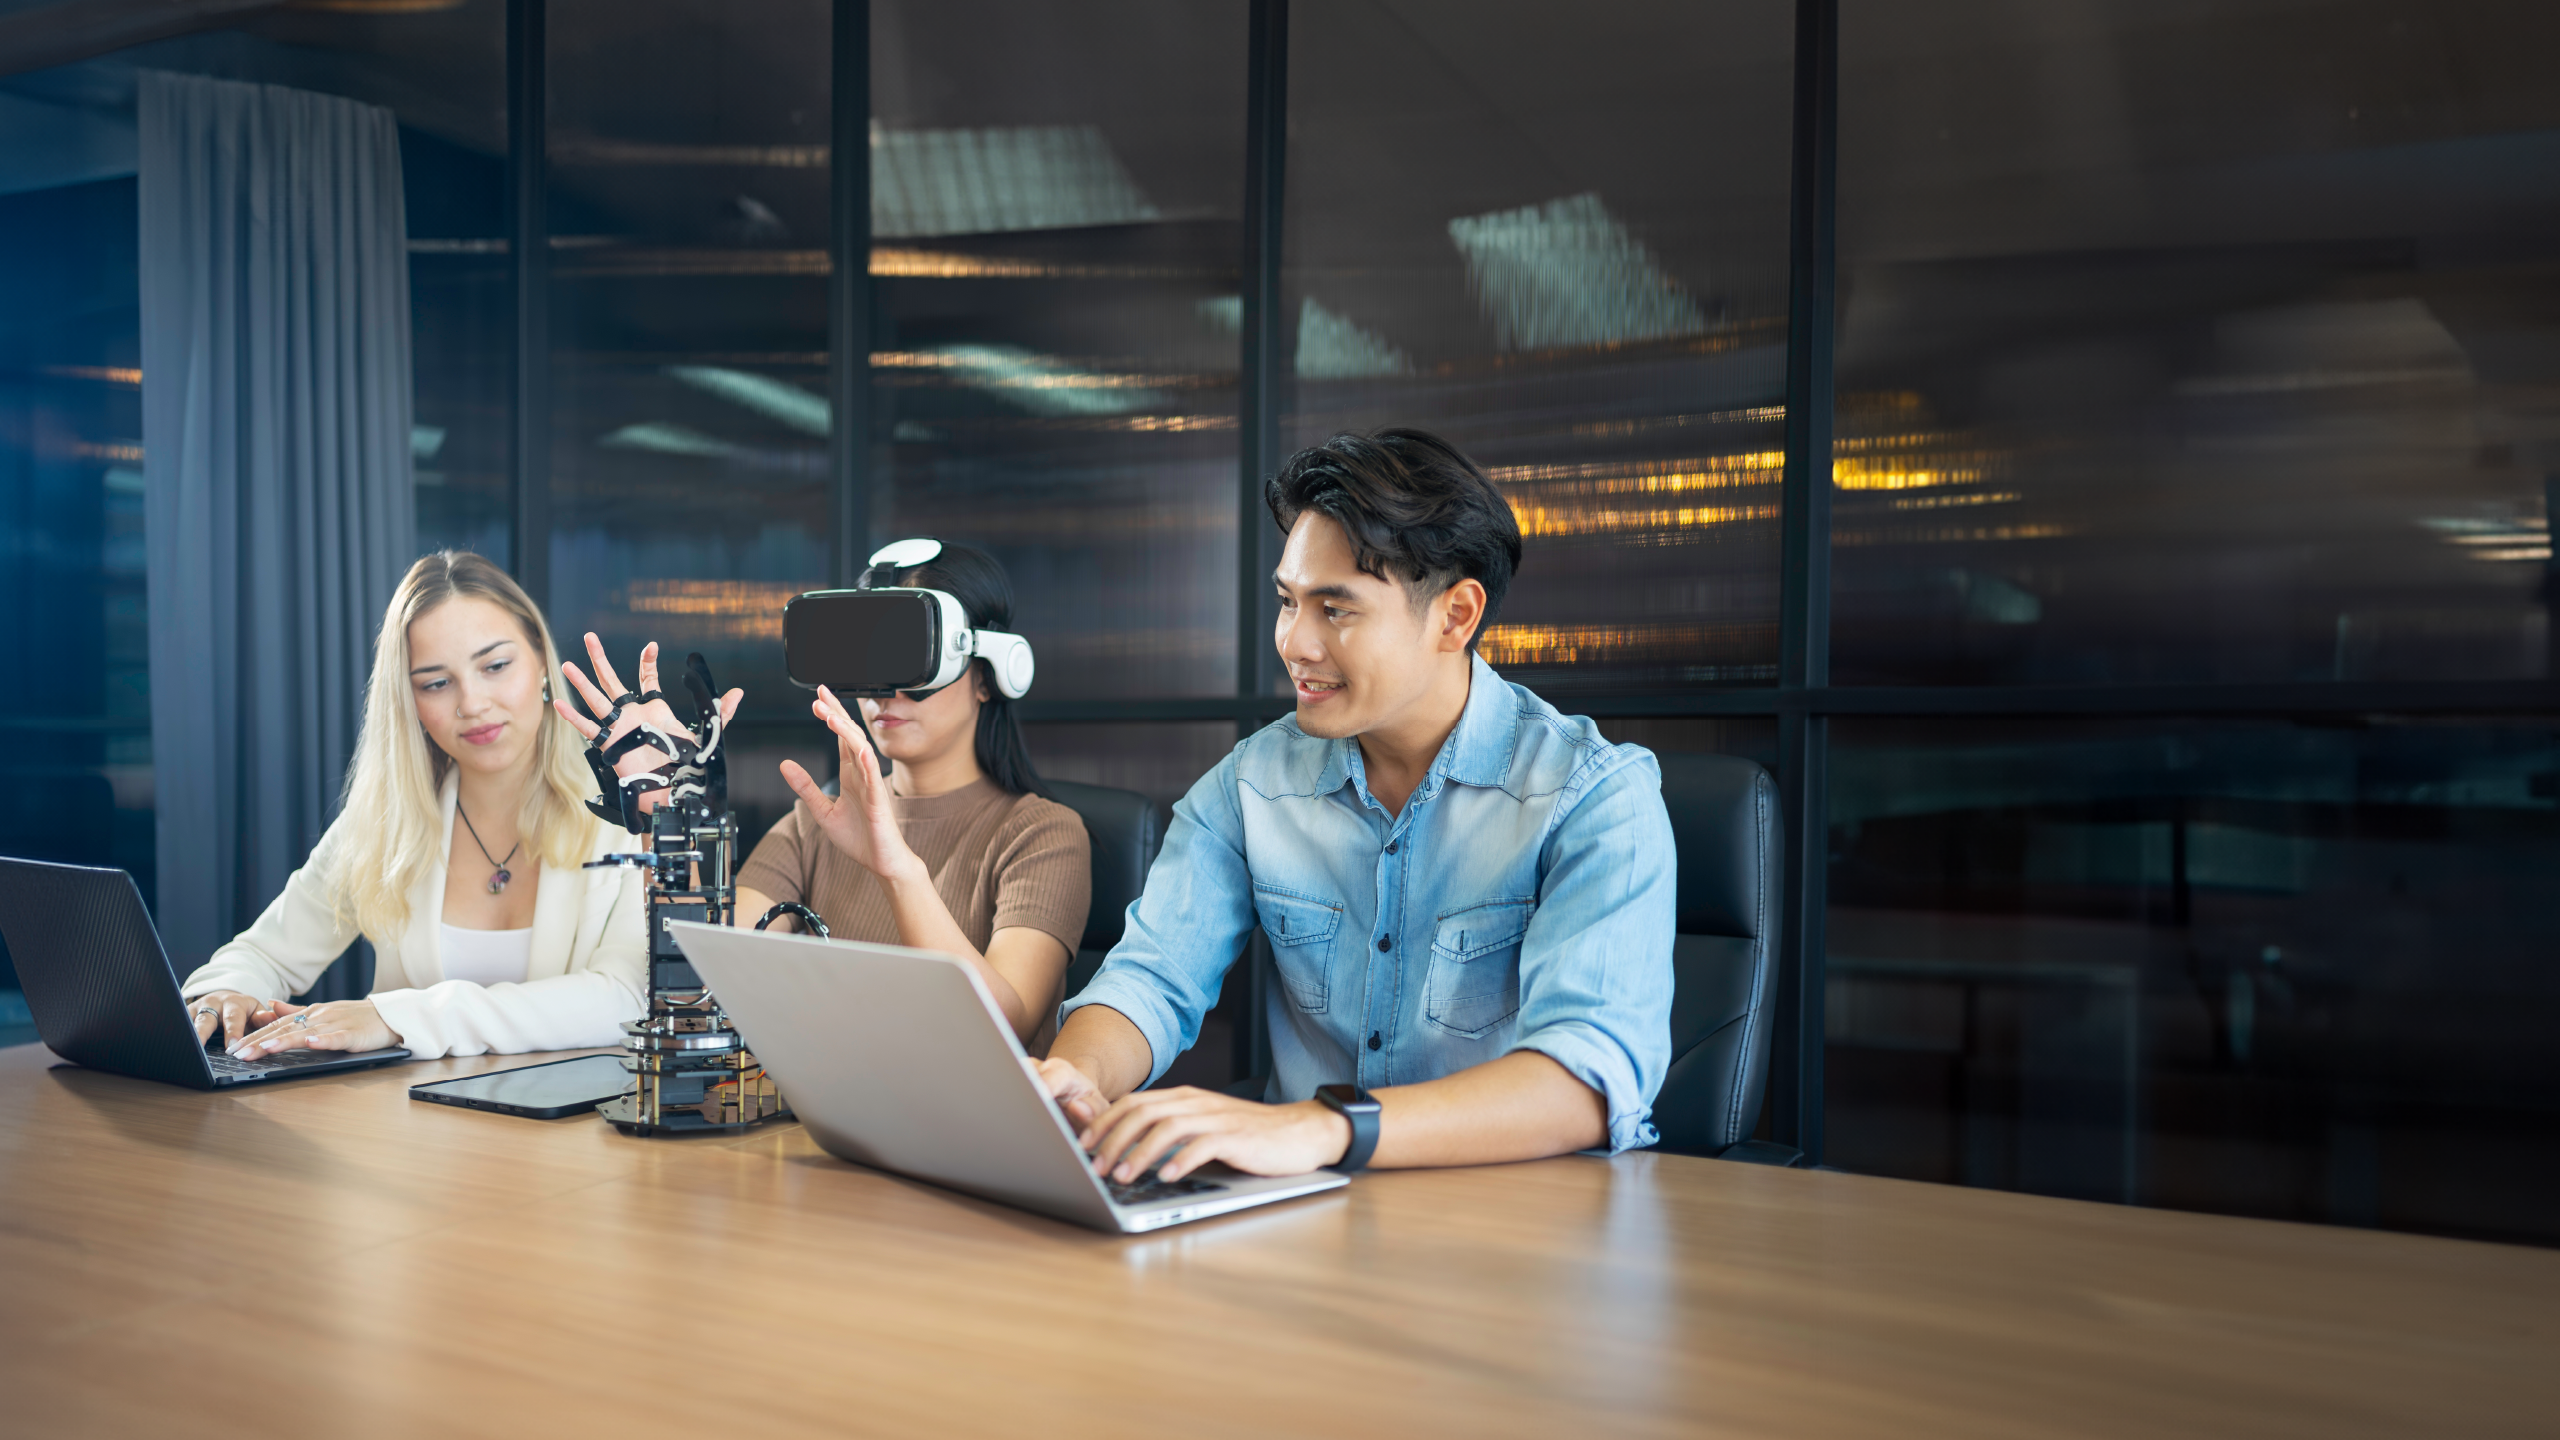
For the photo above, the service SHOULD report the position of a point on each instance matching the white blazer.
(589, 970)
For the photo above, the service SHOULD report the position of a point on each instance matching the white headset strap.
(997, 655)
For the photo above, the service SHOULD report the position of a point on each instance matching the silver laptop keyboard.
(1149, 1188)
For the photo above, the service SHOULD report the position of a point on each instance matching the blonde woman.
(457, 852)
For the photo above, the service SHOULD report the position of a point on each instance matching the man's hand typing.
(1098, 1052)
(1187, 1127)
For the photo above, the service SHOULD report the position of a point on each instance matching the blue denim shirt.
(1522, 900)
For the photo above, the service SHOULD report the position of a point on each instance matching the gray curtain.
(276, 467)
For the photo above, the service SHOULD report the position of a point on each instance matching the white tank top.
(487, 957)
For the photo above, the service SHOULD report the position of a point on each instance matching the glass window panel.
(688, 246)
(2195, 342)
(2293, 970)
(1751, 737)
(1054, 204)
(461, 342)
(1562, 244)
(75, 748)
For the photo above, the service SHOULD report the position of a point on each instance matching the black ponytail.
(977, 580)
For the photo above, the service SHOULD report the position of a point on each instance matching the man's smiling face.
(1359, 650)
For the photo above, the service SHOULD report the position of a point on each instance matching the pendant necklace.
(497, 882)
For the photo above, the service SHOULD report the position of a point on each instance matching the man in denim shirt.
(1469, 895)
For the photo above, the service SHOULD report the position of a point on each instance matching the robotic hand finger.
(698, 776)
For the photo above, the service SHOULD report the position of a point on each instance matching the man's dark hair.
(1413, 507)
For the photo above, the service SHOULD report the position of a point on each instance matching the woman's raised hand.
(863, 820)
(643, 758)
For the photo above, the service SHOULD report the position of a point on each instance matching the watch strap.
(1363, 1116)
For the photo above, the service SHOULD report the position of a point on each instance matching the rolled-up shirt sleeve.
(1185, 929)
(1595, 965)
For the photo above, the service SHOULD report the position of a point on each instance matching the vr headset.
(895, 641)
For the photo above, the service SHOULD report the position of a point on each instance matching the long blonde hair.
(395, 783)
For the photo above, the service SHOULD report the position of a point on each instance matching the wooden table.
(328, 1257)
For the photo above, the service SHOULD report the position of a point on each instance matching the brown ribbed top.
(998, 861)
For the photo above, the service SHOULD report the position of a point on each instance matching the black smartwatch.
(1360, 1108)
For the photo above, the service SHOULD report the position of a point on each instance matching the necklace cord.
(494, 862)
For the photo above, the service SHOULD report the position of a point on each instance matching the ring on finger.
(303, 1018)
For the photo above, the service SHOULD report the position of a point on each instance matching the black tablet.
(543, 1092)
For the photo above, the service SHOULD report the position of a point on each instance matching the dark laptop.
(102, 989)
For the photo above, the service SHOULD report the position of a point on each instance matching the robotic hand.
(691, 1070)
(698, 779)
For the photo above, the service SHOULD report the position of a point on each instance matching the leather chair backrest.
(1724, 819)
(1126, 828)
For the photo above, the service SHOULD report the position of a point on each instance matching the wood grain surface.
(327, 1257)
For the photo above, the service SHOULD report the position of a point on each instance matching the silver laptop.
(900, 1060)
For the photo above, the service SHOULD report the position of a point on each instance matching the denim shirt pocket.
(1301, 929)
(1474, 983)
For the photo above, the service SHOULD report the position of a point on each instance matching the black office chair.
(1724, 819)
(1125, 828)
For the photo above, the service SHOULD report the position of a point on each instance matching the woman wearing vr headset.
(956, 849)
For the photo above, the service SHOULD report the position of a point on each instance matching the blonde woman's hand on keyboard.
(331, 1025)
(230, 1013)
